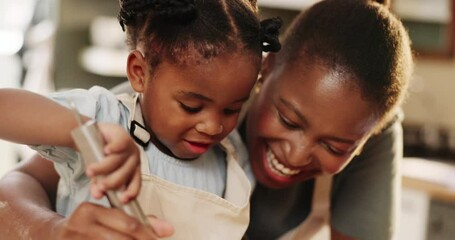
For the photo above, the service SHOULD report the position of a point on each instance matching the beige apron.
(317, 225)
(196, 214)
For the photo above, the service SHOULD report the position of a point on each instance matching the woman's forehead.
(326, 98)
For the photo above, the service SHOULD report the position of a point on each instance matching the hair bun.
(270, 33)
(180, 10)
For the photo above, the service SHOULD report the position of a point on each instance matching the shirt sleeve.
(365, 196)
(97, 103)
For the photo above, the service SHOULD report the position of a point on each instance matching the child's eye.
(231, 111)
(189, 109)
(287, 123)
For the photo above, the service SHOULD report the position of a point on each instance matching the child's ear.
(137, 70)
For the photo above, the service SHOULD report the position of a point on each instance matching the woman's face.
(305, 121)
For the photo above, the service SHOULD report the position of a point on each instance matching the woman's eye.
(287, 123)
(231, 111)
(333, 150)
(189, 109)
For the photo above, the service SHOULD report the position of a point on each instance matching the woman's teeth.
(279, 168)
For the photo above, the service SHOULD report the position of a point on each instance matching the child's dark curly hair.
(182, 30)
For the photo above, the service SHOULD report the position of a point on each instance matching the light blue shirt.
(207, 173)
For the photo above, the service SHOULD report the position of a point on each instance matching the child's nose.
(210, 127)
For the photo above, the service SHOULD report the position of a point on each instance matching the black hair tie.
(177, 10)
(180, 10)
(270, 33)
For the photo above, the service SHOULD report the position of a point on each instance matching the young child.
(192, 64)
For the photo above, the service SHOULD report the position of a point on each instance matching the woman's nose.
(210, 127)
(299, 154)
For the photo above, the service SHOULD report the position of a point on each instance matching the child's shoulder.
(96, 102)
(95, 93)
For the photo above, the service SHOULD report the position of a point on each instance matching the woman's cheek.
(266, 123)
(333, 165)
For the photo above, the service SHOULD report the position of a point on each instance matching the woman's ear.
(137, 70)
(267, 65)
(266, 69)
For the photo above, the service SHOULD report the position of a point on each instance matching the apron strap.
(321, 196)
(136, 126)
(238, 187)
(135, 120)
(227, 146)
(317, 225)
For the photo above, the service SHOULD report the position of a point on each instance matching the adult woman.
(339, 79)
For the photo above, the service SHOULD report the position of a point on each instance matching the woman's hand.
(27, 213)
(121, 166)
(91, 221)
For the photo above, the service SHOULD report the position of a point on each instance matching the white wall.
(432, 94)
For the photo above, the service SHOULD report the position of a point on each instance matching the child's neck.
(158, 144)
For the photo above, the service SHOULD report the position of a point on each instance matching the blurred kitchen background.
(49, 45)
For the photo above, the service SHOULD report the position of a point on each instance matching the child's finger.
(115, 147)
(133, 188)
(95, 190)
(108, 165)
(115, 136)
(122, 175)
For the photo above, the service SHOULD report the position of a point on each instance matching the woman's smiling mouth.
(278, 167)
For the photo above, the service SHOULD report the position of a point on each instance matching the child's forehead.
(195, 58)
(194, 53)
(226, 62)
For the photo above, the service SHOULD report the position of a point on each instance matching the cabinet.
(428, 200)
(72, 36)
(430, 24)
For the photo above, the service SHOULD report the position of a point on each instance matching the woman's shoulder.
(386, 140)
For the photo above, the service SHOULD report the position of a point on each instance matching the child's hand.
(121, 166)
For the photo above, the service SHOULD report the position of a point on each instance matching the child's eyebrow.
(195, 95)
(204, 98)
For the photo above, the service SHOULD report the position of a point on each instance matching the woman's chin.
(273, 180)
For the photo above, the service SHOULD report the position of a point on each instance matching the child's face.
(192, 107)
